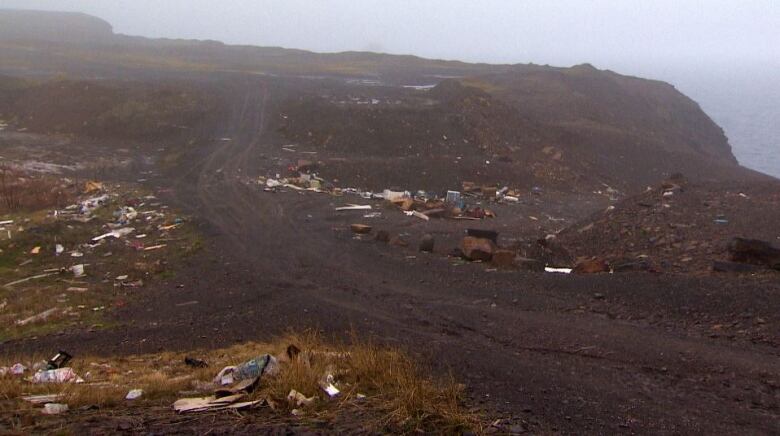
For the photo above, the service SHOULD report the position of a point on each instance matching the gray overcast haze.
(603, 32)
(724, 53)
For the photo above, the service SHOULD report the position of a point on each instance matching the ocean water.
(746, 104)
(753, 129)
(757, 148)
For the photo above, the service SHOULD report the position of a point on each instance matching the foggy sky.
(625, 35)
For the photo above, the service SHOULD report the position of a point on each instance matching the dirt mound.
(123, 111)
(677, 227)
(572, 129)
(589, 102)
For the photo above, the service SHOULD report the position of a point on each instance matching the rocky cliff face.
(591, 103)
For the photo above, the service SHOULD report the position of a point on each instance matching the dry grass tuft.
(382, 383)
(20, 191)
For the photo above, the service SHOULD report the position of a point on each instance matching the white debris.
(297, 399)
(134, 394)
(54, 408)
(18, 369)
(77, 270)
(60, 375)
(417, 214)
(395, 195)
(332, 390)
(354, 207)
(43, 316)
(119, 233)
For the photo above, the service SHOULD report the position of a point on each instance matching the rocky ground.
(643, 336)
(678, 227)
(638, 351)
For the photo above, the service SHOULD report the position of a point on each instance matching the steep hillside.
(575, 128)
(570, 128)
(646, 112)
(53, 26)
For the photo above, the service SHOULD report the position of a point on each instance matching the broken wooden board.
(43, 399)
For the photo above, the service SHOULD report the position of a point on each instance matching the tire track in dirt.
(544, 351)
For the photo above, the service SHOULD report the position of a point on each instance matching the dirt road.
(634, 353)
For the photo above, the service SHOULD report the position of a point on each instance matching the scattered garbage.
(558, 270)
(43, 316)
(125, 215)
(58, 249)
(119, 233)
(54, 408)
(329, 387)
(394, 196)
(254, 368)
(92, 186)
(265, 364)
(35, 277)
(60, 375)
(297, 399)
(87, 206)
(77, 270)
(60, 360)
(134, 394)
(418, 215)
(35, 250)
(195, 363)
(18, 369)
(353, 207)
(43, 399)
(188, 405)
